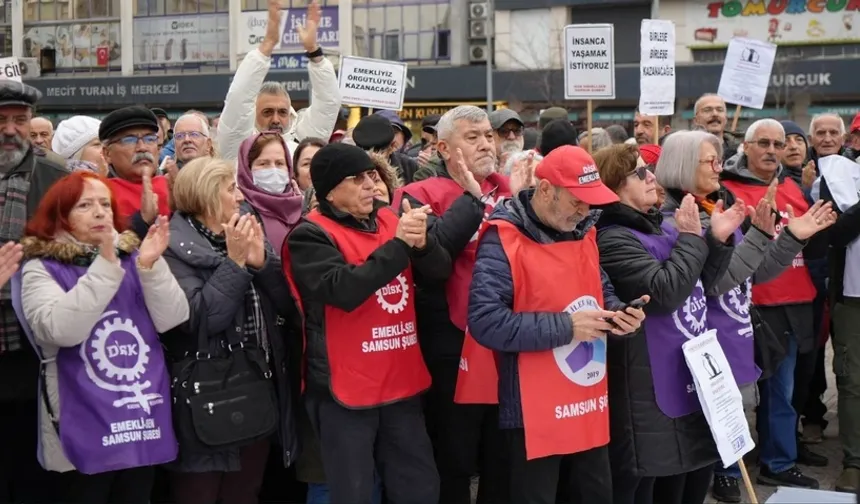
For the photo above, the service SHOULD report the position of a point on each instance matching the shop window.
(62, 10)
(402, 30)
(145, 8)
(264, 4)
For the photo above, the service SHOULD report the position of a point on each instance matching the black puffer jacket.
(645, 442)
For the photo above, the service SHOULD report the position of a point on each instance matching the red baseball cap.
(855, 124)
(574, 169)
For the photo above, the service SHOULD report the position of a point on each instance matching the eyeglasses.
(505, 132)
(640, 171)
(131, 140)
(373, 175)
(715, 163)
(193, 135)
(765, 143)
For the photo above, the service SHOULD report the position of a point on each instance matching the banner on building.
(657, 68)
(714, 24)
(179, 40)
(589, 62)
(77, 45)
(373, 83)
(252, 30)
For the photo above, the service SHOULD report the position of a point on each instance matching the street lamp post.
(491, 14)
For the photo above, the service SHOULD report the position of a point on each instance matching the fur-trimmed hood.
(387, 173)
(66, 249)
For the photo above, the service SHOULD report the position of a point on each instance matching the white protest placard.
(720, 396)
(589, 62)
(366, 82)
(746, 72)
(657, 68)
(10, 69)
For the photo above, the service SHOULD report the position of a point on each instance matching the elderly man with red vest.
(784, 304)
(538, 296)
(351, 266)
(462, 194)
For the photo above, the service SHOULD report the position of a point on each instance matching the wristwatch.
(315, 53)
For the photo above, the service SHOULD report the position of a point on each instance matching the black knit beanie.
(335, 162)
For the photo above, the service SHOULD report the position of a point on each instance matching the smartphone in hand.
(636, 303)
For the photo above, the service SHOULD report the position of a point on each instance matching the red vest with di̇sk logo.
(794, 285)
(564, 391)
(373, 353)
(440, 193)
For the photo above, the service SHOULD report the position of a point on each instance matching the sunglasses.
(641, 172)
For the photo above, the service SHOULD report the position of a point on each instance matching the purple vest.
(674, 387)
(114, 388)
(730, 315)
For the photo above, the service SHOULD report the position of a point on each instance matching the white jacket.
(239, 115)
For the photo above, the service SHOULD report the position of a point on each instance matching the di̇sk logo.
(393, 297)
(735, 304)
(583, 363)
(690, 319)
(115, 358)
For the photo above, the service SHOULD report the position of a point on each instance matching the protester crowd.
(206, 312)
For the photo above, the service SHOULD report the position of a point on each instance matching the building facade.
(89, 56)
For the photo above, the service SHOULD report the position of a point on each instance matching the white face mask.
(271, 180)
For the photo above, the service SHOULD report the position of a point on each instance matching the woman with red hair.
(92, 301)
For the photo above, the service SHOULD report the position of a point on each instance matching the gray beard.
(11, 159)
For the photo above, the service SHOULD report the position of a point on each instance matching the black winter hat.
(555, 134)
(125, 118)
(335, 162)
(373, 132)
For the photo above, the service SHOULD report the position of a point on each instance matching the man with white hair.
(710, 115)
(785, 306)
(827, 135)
(253, 105)
(191, 139)
(466, 437)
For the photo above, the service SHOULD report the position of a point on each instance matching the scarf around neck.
(279, 212)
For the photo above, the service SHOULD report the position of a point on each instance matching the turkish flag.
(102, 56)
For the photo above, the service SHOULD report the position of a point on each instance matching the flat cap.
(122, 119)
(159, 112)
(13, 93)
(498, 118)
(429, 123)
(373, 132)
(551, 114)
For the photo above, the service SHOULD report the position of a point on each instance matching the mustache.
(16, 140)
(770, 158)
(142, 156)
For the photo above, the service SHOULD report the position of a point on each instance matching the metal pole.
(655, 9)
(491, 14)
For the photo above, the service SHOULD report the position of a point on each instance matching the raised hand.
(148, 200)
(462, 175)
(273, 29)
(10, 260)
(238, 236)
(808, 175)
(762, 216)
(257, 248)
(523, 173)
(155, 242)
(308, 32)
(107, 247)
(726, 222)
(687, 216)
(820, 216)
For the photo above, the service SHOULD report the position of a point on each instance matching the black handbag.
(223, 401)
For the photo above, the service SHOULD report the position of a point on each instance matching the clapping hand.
(687, 216)
(10, 260)
(820, 216)
(308, 32)
(273, 29)
(148, 200)
(762, 216)
(726, 222)
(808, 175)
(412, 227)
(237, 232)
(257, 249)
(523, 173)
(463, 176)
(155, 242)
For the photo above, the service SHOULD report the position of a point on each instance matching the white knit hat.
(73, 134)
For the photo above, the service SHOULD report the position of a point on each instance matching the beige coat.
(66, 319)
